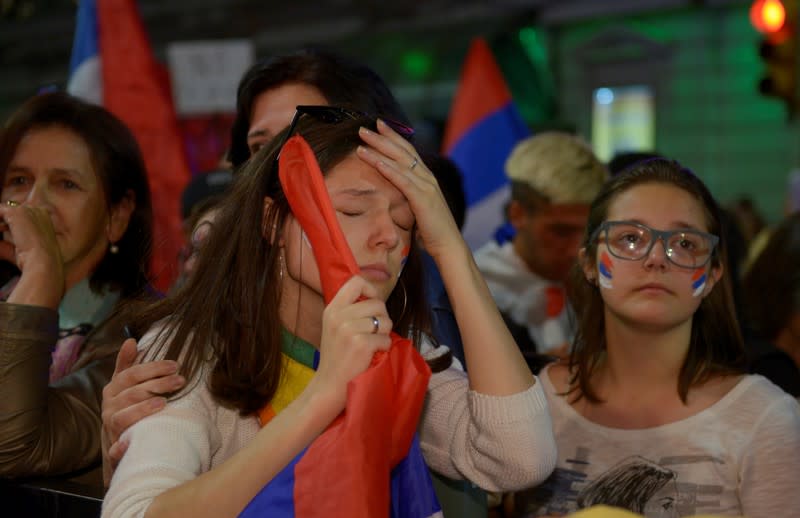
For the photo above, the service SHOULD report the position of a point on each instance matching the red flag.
(482, 129)
(135, 90)
(482, 90)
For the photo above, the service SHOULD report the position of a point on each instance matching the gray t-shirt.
(740, 456)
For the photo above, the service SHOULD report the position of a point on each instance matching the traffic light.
(777, 21)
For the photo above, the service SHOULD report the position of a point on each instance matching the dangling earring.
(113, 248)
(280, 265)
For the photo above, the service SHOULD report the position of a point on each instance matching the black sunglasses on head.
(335, 115)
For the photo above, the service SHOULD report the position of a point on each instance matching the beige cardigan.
(498, 443)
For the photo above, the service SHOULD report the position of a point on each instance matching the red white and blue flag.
(483, 128)
(112, 65)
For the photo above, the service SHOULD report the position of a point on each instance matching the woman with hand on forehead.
(205, 454)
(652, 412)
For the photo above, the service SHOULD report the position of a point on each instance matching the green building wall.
(709, 114)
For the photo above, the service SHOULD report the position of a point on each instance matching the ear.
(517, 214)
(714, 275)
(269, 233)
(120, 217)
(588, 266)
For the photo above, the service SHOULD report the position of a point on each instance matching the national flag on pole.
(112, 64)
(483, 127)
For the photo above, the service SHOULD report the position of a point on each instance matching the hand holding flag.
(371, 448)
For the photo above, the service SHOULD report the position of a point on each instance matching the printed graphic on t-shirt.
(649, 487)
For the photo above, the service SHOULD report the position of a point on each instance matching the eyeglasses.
(335, 115)
(633, 241)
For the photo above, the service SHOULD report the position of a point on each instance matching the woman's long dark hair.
(226, 316)
(715, 347)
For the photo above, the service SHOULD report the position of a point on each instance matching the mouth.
(654, 287)
(375, 272)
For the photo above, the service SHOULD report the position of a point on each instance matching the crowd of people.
(616, 351)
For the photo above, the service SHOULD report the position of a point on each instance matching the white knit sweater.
(498, 443)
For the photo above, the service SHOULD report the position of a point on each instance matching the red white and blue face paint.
(606, 269)
(699, 278)
(403, 259)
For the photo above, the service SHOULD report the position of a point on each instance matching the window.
(622, 120)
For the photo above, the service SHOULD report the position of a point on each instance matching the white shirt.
(740, 456)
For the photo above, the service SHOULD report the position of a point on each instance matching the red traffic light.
(768, 16)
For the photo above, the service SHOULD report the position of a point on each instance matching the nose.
(657, 256)
(38, 196)
(384, 232)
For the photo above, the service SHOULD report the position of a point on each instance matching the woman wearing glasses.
(208, 453)
(652, 413)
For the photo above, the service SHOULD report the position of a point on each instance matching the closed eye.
(405, 227)
(403, 217)
(351, 214)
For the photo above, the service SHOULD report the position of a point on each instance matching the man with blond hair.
(554, 177)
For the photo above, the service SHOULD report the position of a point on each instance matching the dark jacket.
(50, 429)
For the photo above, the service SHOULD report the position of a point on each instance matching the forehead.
(273, 109)
(53, 147)
(659, 205)
(574, 214)
(353, 175)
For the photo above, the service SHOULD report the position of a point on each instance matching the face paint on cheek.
(606, 268)
(699, 278)
(403, 259)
